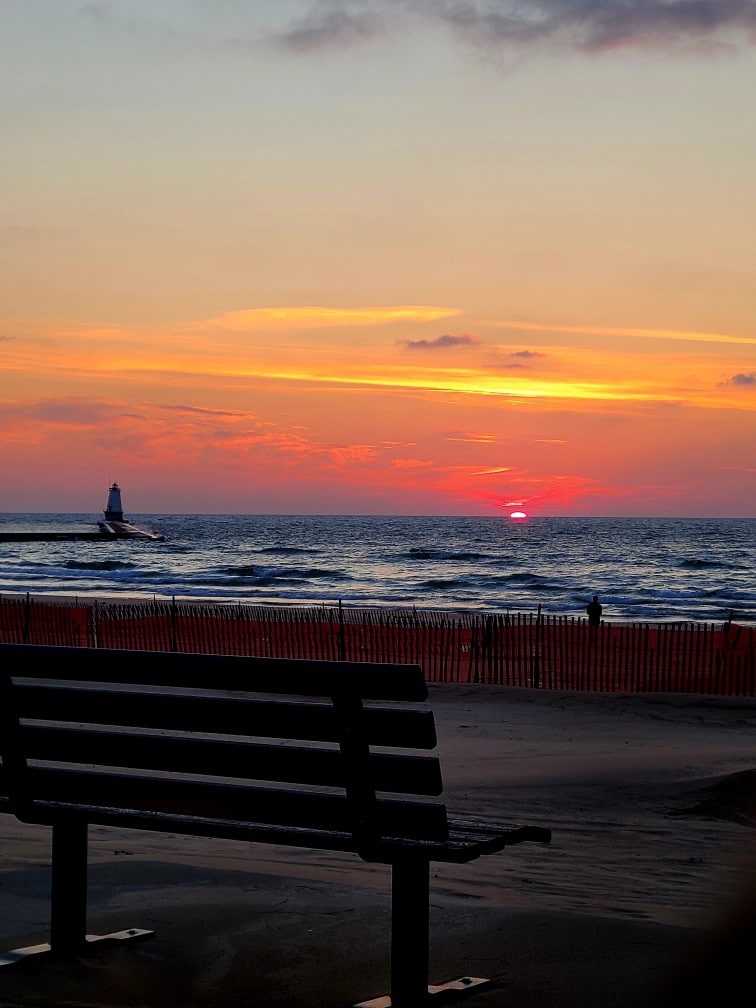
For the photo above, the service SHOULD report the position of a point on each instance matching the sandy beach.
(646, 893)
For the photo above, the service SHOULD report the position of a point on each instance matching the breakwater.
(55, 537)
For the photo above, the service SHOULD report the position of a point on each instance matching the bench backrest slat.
(216, 757)
(211, 801)
(292, 676)
(240, 714)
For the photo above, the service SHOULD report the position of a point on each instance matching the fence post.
(342, 641)
(174, 619)
(535, 675)
(27, 618)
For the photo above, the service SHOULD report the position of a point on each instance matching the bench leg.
(410, 949)
(410, 896)
(68, 900)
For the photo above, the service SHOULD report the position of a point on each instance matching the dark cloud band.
(580, 25)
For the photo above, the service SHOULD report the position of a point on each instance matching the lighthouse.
(114, 526)
(114, 509)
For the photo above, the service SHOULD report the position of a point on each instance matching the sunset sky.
(379, 256)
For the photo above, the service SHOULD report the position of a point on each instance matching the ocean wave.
(98, 565)
(700, 563)
(443, 556)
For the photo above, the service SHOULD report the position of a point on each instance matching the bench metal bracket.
(17, 955)
(437, 993)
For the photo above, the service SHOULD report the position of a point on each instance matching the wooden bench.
(313, 754)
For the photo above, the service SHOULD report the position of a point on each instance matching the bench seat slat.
(456, 849)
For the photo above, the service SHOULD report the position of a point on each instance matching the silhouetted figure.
(594, 610)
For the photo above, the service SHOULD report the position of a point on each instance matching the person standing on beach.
(594, 610)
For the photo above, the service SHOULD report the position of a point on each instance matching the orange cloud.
(659, 334)
(253, 319)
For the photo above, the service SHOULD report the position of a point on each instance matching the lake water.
(644, 569)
